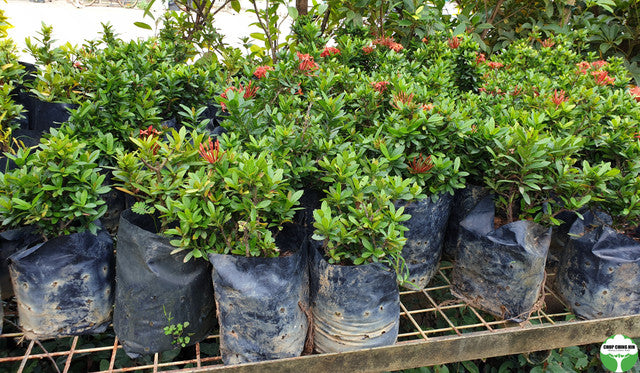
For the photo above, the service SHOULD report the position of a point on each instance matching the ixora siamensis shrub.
(356, 261)
(158, 288)
(54, 194)
(237, 211)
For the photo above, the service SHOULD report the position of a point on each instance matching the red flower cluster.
(402, 98)
(261, 71)
(454, 42)
(602, 77)
(516, 91)
(420, 164)
(329, 51)
(249, 91)
(307, 64)
(599, 64)
(149, 132)
(211, 152)
(583, 67)
(389, 43)
(425, 40)
(547, 43)
(494, 64)
(635, 92)
(367, 49)
(559, 97)
(427, 107)
(480, 58)
(380, 86)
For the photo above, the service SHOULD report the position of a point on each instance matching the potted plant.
(56, 192)
(357, 260)
(237, 211)
(153, 281)
(501, 255)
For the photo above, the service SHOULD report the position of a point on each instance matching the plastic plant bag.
(45, 115)
(10, 242)
(156, 289)
(64, 286)
(353, 307)
(464, 200)
(599, 270)
(262, 304)
(425, 236)
(500, 271)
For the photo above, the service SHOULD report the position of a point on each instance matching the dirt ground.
(75, 25)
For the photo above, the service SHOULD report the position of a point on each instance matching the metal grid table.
(435, 328)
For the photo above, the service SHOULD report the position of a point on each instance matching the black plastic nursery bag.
(354, 307)
(425, 236)
(64, 286)
(464, 200)
(44, 115)
(599, 270)
(500, 271)
(10, 242)
(262, 304)
(156, 289)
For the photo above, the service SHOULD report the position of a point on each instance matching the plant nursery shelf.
(435, 329)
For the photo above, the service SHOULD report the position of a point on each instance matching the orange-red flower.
(548, 43)
(389, 43)
(427, 107)
(307, 64)
(329, 51)
(149, 132)
(602, 77)
(559, 97)
(211, 151)
(454, 42)
(599, 64)
(494, 64)
(402, 98)
(261, 71)
(583, 67)
(248, 91)
(635, 92)
(480, 58)
(367, 49)
(380, 86)
(420, 164)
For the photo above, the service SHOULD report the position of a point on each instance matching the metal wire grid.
(427, 313)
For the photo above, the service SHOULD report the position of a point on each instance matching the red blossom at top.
(494, 64)
(248, 91)
(480, 58)
(427, 107)
(367, 49)
(329, 51)
(261, 71)
(425, 40)
(637, 135)
(559, 97)
(380, 86)
(547, 43)
(454, 42)
(602, 77)
(149, 132)
(211, 151)
(389, 43)
(307, 64)
(599, 64)
(420, 164)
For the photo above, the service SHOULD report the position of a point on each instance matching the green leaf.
(293, 12)
(143, 25)
(235, 4)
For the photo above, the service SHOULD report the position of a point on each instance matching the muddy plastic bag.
(64, 286)
(464, 200)
(353, 307)
(261, 305)
(425, 236)
(500, 271)
(153, 286)
(599, 270)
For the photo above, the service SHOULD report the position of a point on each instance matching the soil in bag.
(425, 236)
(353, 307)
(64, 286)
(464, 200)
(262, 302)
(10, 242)
(156, 289)
(599, 270)
(500, 271)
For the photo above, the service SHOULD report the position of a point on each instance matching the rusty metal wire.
(427, 313)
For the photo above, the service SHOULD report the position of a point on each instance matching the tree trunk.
(302, 6)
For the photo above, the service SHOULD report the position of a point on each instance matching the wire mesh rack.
(435, 328)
